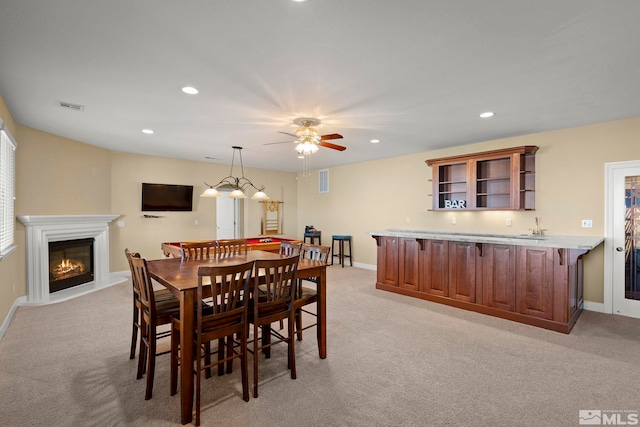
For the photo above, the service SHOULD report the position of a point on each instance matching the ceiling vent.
(71, 106)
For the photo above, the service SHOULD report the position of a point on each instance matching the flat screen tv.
(166, 197)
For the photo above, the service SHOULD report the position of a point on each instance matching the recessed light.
(298, 1)
(487, 114)
(190, 90)
(300, 157)
(375, 141)
(147, 131)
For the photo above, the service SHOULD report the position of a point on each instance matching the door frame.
(609, 220)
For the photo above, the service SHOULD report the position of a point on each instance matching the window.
(7, 190)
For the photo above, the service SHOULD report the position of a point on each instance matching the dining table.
(181, 278)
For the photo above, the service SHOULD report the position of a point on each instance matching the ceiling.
(414, 74)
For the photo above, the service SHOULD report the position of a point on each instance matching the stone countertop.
(547, 241)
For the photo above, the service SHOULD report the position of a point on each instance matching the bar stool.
(341, 239)
(312, 234)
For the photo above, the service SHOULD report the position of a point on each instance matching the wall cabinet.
(539, 286)
(491, 180)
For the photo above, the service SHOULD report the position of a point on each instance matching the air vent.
(71, 106)
(323, 181)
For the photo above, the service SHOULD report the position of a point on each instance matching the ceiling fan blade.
(332, 146)
(290, 134)
(280, 142)
(331, 136)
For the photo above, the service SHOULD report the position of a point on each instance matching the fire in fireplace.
(70, 263)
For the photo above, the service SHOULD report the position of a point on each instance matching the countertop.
(547, 241)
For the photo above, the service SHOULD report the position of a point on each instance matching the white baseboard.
(594, 306)
(114, 279)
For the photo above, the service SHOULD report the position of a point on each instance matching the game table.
(263, 243)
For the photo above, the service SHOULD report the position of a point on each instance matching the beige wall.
(145, 235)
(395, 192)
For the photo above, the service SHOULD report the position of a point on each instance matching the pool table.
(264, 243)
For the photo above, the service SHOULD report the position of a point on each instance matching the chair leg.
(244, 368)
(207, 360)
(230, 354)
(291, 347)
(299, 324)
(134, 332)
(175, 341)
(220, 356)
(151, 363)
(255, 360)
(142, 353)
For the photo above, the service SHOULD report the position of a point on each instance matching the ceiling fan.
(308, 139)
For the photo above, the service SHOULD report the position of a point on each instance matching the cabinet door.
(535, 281)
(462, 271)
(435, 267)
(409, 257)
(499, 276)
(387, 260)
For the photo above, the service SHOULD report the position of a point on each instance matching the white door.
(227, 217)
(622, 238)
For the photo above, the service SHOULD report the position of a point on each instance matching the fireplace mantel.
(42, 229)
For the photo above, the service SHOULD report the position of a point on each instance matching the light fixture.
(190, 90)
(487, 114)
(374, 141)
(237, 184)
(147, 131)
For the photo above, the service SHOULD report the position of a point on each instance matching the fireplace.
(70, 263)
(43, 230)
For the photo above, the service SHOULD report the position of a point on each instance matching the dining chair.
(223, 315)
(153, 313)
(159, 295)
(273, 296)
(306, 295)
(289, 248)
(198, 250)
(227, 247)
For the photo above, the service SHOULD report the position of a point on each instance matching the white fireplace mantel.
(42, 229)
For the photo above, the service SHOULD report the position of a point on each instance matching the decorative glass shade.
(237, 194)
(306, 148)
(211, 192)
(260, 195)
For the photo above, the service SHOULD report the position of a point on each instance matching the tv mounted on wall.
(166, 197)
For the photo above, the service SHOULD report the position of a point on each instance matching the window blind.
(7, 189)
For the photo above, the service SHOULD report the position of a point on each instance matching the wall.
(395, 192)
(145, 235)
(12, 270)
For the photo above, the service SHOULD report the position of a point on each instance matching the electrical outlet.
(587, 223)
(453, 220)
(196, 222)
(509, 222)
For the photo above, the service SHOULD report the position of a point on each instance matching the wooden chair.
(198, 250)
(229, 247)
(223, 317)
(305, 295)
(289, 249)
(152, 314)
(273, 291)
(159, 295)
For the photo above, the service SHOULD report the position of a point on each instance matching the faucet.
(537, 231)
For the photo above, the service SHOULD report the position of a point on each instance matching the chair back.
(315, 252)
(289, 249)
(141, 280)
(274, 283)
(192, 251)
(130, 255)
(228, 287)
(228, 247)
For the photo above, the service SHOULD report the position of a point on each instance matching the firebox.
(70, 263)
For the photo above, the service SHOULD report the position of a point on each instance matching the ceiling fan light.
(237, 194)
(211, 192)
(260, 195)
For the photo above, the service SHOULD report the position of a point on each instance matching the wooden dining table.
(181, 278)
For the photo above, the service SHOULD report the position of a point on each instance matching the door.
(227, 217)
(622, 238)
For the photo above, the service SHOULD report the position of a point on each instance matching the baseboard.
(114, 279)
(7, 320)
(594, 306)
(365, 266)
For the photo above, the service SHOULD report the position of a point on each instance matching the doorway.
(622, 239)
(227, 216)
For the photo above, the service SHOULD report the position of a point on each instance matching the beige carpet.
(392, 361)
